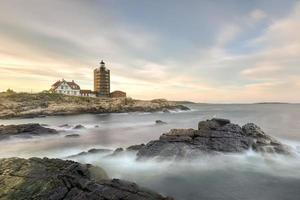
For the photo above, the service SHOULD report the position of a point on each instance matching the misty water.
(245, 176)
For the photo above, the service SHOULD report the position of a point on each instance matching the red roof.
(73, 85)
(57, 83)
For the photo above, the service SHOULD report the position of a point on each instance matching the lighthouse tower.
(102, 80)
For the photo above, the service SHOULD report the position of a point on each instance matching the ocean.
(247, 176)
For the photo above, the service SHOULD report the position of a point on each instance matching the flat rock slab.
(72, 136)
(213, 136)
(25, 129)
(56, 179)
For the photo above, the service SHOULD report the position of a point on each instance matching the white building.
(70, 88)
(65, 87)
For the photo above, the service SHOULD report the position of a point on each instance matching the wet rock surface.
(56, 179)
(213, 136)
(116, 152)
(91, 151)
(135, 147)
(160, 122)
(79, 126)
(24, 131)
(72, 135)
(64, 126)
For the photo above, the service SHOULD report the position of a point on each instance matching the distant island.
(272, 102)
(27, 105)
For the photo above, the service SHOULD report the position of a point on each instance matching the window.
(62, 87)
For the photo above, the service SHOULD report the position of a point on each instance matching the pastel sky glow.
(201, 50)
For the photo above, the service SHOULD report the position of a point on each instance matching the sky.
(212, 51)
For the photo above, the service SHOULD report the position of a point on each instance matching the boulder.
(263, 142)
(64, 126)
(165, 110)
(212, 124)
(213, 136)
(182, 107)
(79, 126)
(72, 136)
(56, 179)
(117, 152)
(25, 131)
(160, 122)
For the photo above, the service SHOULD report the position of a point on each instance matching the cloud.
(44, 46)
(237, 54)
(228, 33)
(258, 15)
(262, 70)
(281, 49)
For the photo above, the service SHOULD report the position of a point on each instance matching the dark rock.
(182, 107)
(135, 147)
(79, 126)
(25, 130)
(72, 136)
(90, 151)
(213, 136)
(212, 124)
(56, 179)
(264, 142)
(165, 110)
(64, 125)
(99, 150)
(221, 121)
(117, 152)
(160, 122)
(96, 126)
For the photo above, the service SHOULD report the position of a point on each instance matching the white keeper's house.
(70, 88)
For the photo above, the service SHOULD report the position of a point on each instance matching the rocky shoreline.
(56, 179)
(25, 105)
